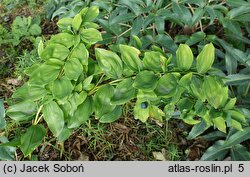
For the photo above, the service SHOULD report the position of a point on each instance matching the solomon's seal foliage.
(75, 82)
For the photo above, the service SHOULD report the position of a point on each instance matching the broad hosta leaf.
(54, 62)
(112, 116)
(90, 35)
(205, 59)
(154, 61)
(80, 52)
(123, 92)
(2, 115)
(29, 92)
(238, 137)
(65, 39)
(239, 153)
(73, 69)
(8, 152)
(102, 101)
(62, 87)
(146, 81)
(22, 111)
(166, 85)
(215, 152)
(44, 74)
(130, 56)
(109, 62)
(32, 139)
(141, 111)
(55, 50)
(54, 117)
(81, 114)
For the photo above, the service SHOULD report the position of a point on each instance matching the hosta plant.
(78, 81)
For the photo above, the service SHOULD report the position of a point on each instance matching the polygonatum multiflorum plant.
(77, 81)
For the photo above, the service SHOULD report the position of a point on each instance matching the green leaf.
(73, 69)
(2, 115)
(22, 111)
(64, 39)
(130, 56)
(112, 116)
(54, 50)
(238, 137)
(102, 101)
(156, 113)
(29, 92)
(239, 153)
(236, 115)
(90, 35)
(154, 61)
(123, 92)
(91, 14)
(81, 114)
(35, 30)
(141, 112)
(197, 130)
(65, 134)
(185, 81)
(197, 89)
(236, 79)
(195, 38)
(184, 57)
(44, 74)
(54, 117)
(109, 62)
(146, 81)
(216, 152)
(205, 59)
(166, 85)
(216, 94)
(62, 87)
(219, 122)
(64, 23)
(81, 53)
(32, 139)
(6, 152)
(77, 21)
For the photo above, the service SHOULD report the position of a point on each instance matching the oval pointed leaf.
(54, 117)
(65, 39)
(90, 35)
(55, 50)
(81, 53)
(22, 111)
(146, 81)
(62, 88)
(123, 92)
(130, 56)
(166, 86)
(102, 101)
(112, 116)
(109, 62)
(205, 59)
(73, 69)
(32, 139)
